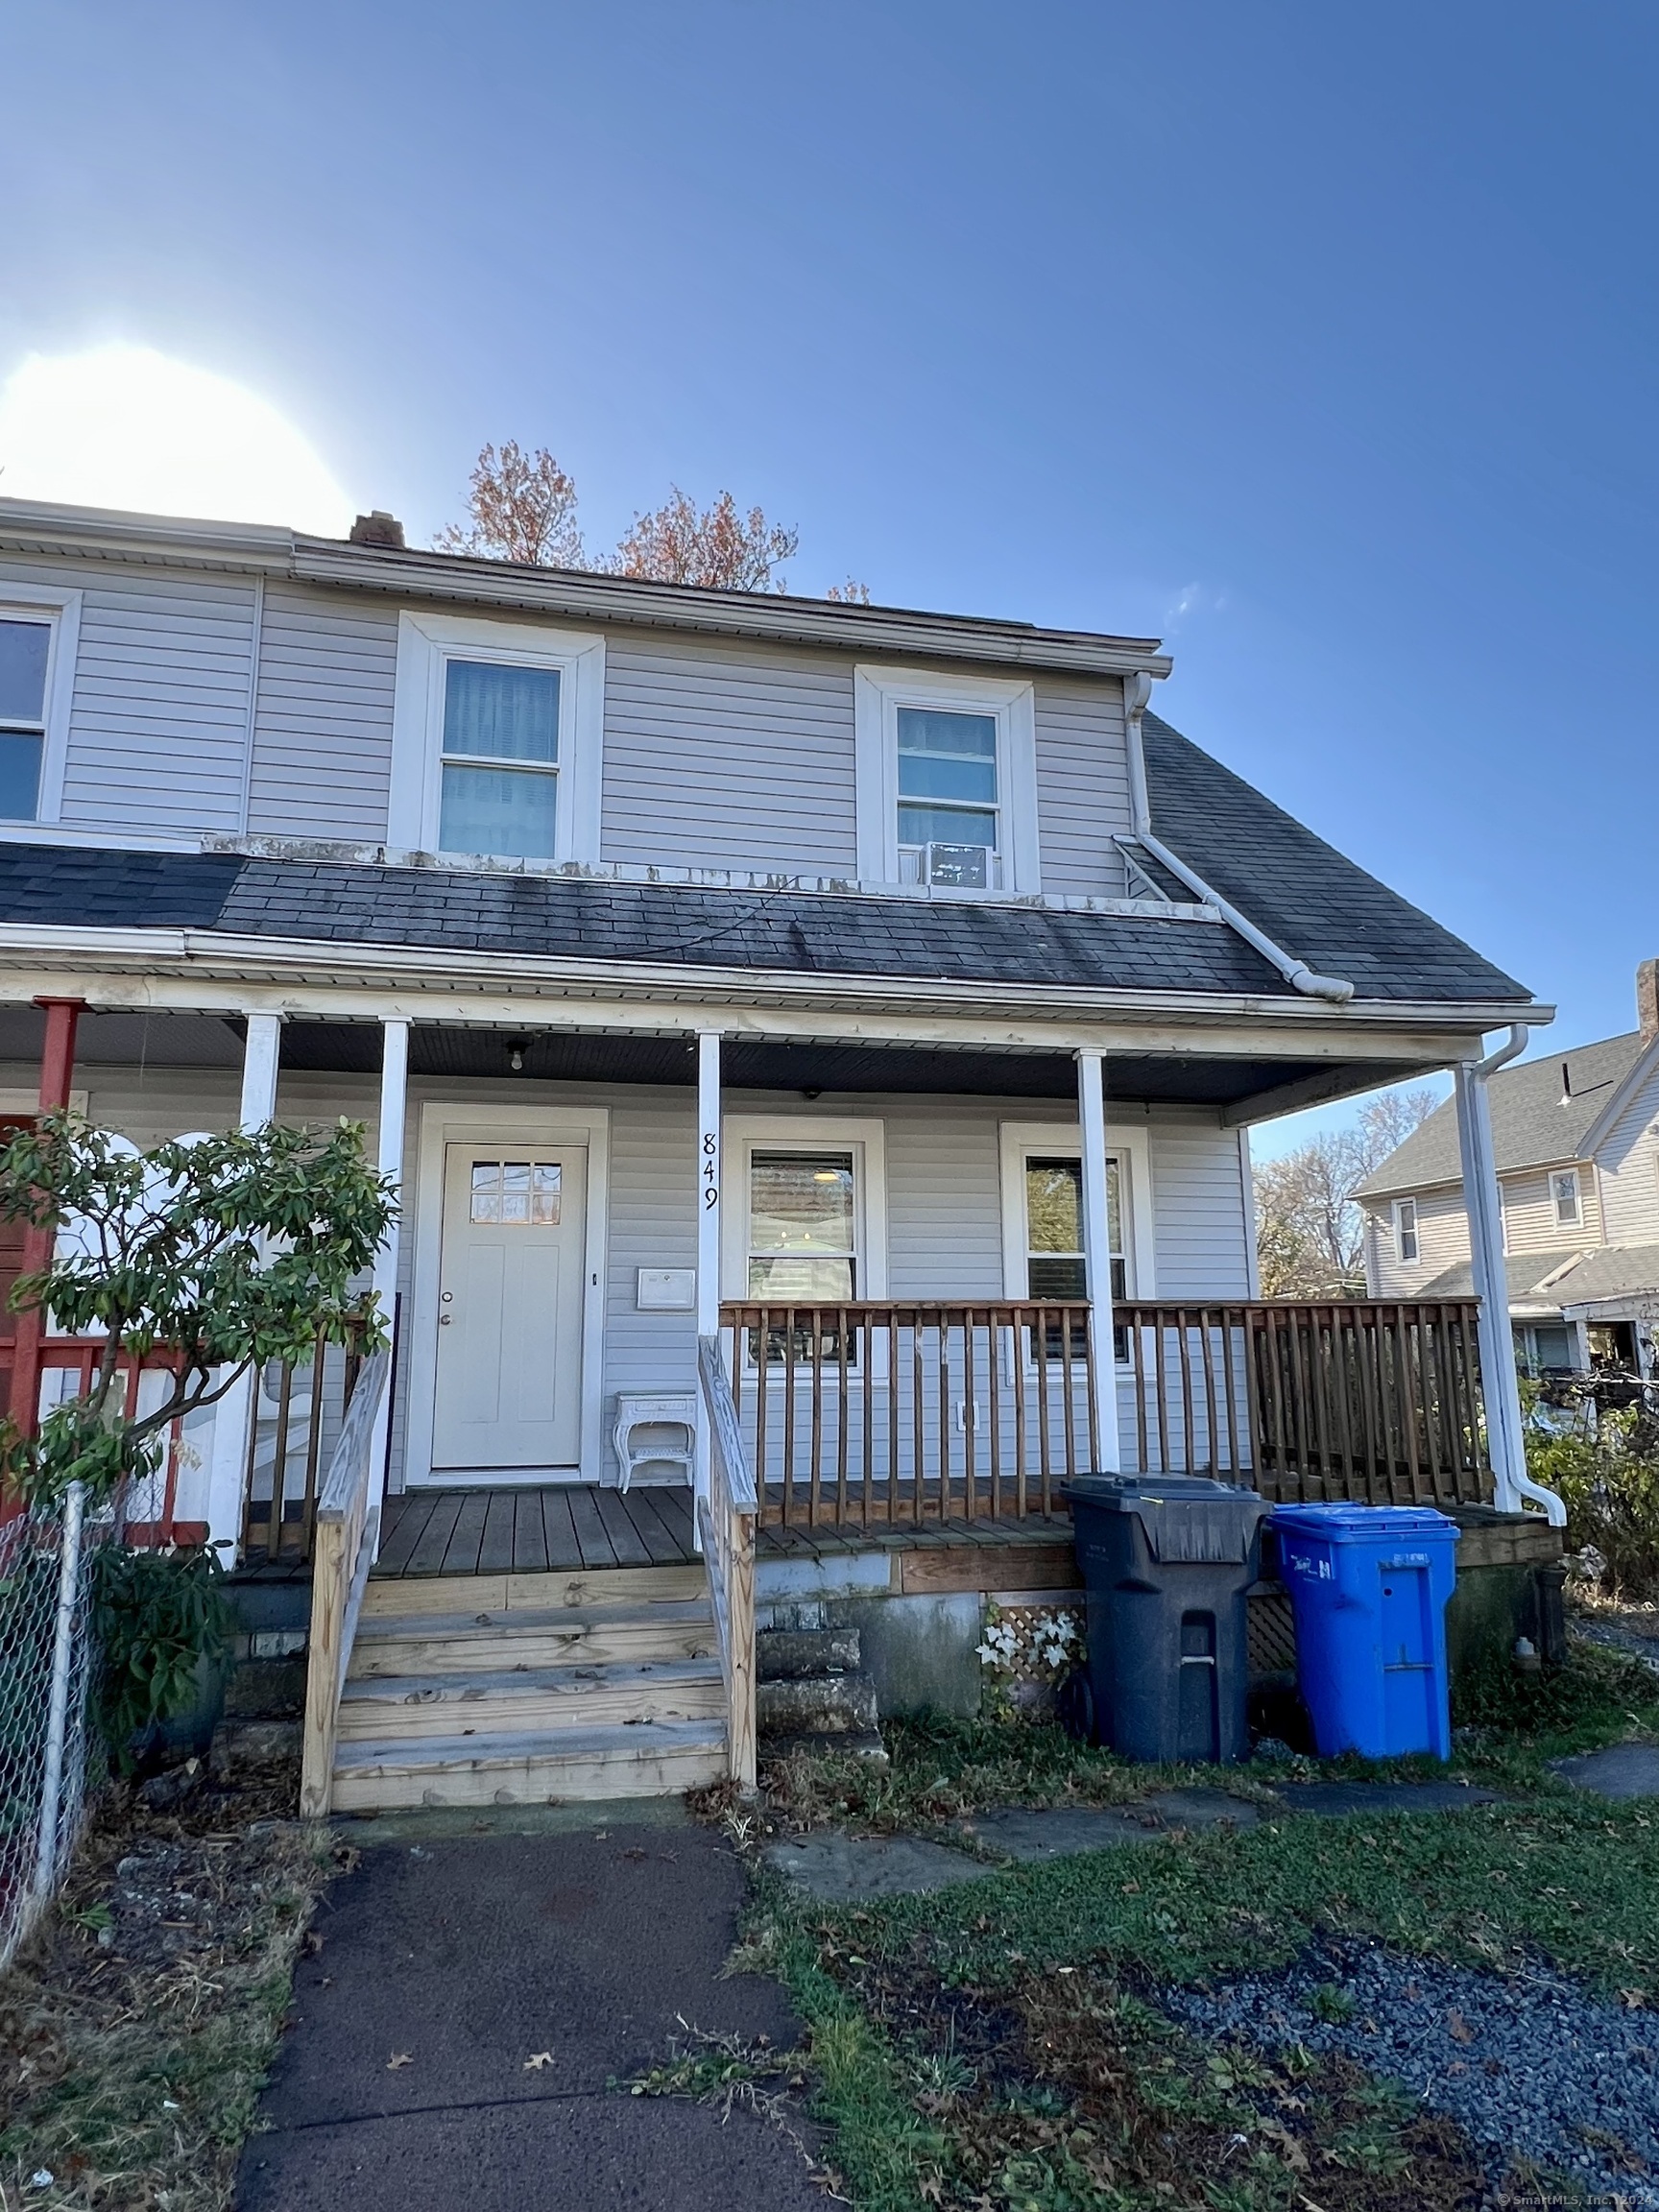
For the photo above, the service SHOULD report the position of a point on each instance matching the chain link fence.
(45, 1666)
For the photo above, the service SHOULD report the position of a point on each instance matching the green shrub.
(1608, 1476)
(157, 1616)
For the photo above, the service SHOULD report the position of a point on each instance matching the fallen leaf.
(1458, 2027)
(634, 1852)
(1635, 1998)
(1130, 1888)
(397, 2060)
(537, 2061)
(312, 1943)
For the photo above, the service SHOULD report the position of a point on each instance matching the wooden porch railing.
(1363, 1399)
(346, 1519)
(870, 1413)
(69, 1366)
(877, 1412)
(726, 1521)
(297, 1414)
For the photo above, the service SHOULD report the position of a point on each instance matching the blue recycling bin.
(1368, 1586)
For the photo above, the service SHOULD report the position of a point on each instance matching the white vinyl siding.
(728, 756)
(944, 1218)
(1529, 1217)
(1442, 1242)
(1627, 1170)
(323, 731)
(1082, 787)
(158, 718)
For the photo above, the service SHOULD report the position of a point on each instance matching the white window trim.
(1019, 1140)
(62, 608)
(864, 1137)
(1416, 1259)
(442, 1123)
(426, 643)
(1557, 1176)
(877, 694)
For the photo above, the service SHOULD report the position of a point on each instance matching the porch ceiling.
(1239, 1087)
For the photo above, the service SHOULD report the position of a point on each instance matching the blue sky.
(1318, 340)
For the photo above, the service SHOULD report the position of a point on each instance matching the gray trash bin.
(1166, 1560)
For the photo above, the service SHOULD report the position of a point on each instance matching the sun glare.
(123, 426)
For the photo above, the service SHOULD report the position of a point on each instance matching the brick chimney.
(1648, 1000)
(378, 529)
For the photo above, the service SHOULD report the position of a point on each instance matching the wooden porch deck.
(580, 1526)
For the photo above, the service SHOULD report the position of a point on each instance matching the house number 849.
(710, 1174)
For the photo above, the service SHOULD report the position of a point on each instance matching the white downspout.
(1137, 690)
(1505, 1431)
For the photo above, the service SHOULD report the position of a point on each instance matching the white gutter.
(1505, 1431)
(1137, 690)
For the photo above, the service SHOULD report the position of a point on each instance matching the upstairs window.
(948, 813)
(946, 783)
(501, 760)
(39, 627)
(25, 661)
(497, 737)
(1406, 1231)
(1563, 1191)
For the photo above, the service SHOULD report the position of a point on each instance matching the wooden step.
(520, 1701)
(453, 1643)
(646, 1759)
(577, 1588)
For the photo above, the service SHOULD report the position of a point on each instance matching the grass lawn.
(999, 2044)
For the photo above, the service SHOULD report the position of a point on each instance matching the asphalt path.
(458, 2037)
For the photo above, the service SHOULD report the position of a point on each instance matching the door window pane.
(494, 712)
(801, 1227)
(24, 647)
(524, 1193)
(498, 810)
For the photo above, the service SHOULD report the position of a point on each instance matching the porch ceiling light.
(516, 1048)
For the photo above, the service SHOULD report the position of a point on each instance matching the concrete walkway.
(466, 1957)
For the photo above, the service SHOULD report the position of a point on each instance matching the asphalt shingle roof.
(1536, 1120)
(1610, 1271)
(1307, 897)
(1319, 905)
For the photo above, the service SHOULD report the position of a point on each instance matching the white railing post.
(709, 1172)
(1097, 1254)
(1505, 1431)
(58, 1708)
(388, 1160)
(233, 1418)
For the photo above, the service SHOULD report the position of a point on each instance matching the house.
(815, 1046)
(1577, 1140)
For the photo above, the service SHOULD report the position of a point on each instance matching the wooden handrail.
(296, 1468)
(880, 1410)
(348, 1516)
(726, 1518)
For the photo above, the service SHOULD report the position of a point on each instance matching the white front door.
(509, 1360)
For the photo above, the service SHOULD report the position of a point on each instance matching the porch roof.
(1329, 911)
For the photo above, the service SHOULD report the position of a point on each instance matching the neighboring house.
(1577, 1138)
(879, 1000)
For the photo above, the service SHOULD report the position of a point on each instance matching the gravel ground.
(1618, 1635)
(1529, 2063)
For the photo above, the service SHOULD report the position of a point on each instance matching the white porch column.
(1097, 1254)
(1504, 1434)
(389, 1158)
(709, 1171)
(227, 1473)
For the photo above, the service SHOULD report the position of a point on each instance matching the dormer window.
(495, 747)
(38, 636)
(948, 818)
(946, 770)
(1563, 1191)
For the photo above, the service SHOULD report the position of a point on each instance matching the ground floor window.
(804, 1225)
